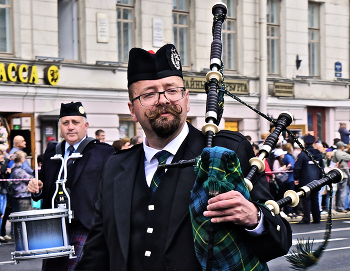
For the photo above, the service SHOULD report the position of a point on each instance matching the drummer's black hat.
(72, 109)
(147, 65)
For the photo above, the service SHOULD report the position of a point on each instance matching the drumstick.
(36, 167)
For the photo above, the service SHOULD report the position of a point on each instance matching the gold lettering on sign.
(12, 69)
(20, 73)
(22, 69)
(33, 75)
(51, 75)
(3, 75)
(197, 84)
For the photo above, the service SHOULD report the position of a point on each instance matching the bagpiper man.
(142, 219)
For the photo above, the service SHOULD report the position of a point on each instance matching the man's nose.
(162, 99)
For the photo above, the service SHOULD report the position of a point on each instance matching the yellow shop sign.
(26, 74)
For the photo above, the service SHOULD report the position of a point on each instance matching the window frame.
(269, 38)
(185, 58)
(225, 33)
(310, 41)
(10, 6)
(120, 49)
(76, 49)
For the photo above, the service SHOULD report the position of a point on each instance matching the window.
(314, 40)
(68, 41)
(180, 29)
(127, 128)
(5, 27)
(229, 36)
(273, 29)
(125, 28)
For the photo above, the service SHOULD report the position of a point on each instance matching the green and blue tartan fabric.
(219, 169)
(162, 156)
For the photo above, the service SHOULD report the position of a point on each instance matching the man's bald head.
(19, 142)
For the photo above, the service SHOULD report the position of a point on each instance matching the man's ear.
(132, 111)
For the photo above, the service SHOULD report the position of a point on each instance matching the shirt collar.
(76, 145)
(172, 146)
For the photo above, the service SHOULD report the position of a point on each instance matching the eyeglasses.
(152, 98)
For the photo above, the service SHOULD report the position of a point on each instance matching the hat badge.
(175, 58)
(81, 110)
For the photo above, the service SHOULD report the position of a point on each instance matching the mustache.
(156, 113)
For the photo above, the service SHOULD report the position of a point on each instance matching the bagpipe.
(218, 171)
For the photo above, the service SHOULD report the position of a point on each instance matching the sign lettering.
(197, 84)
(25, 74)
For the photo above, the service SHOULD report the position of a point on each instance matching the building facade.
(57, 51)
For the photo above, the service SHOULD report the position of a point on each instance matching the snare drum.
(40, 234)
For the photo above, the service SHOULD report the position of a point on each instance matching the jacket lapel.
(123, 183)
(81, 162)
(190, 148)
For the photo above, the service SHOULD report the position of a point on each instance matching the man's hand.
(232, 207)
(35, 186)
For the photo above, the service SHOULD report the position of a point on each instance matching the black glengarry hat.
(72, 109)
(147, 65)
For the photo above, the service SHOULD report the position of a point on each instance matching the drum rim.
(38, 213)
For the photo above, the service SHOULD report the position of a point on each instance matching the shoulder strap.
(81, 147)
(59, 148)
(84, 143)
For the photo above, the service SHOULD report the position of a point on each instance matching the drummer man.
(84, 176)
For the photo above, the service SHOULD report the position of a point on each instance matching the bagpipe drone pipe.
(218, 171)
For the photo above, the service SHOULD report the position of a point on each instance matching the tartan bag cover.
(219, 169)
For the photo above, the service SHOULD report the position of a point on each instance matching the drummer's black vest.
(149, 227)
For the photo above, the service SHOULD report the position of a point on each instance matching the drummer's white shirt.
(151, 164)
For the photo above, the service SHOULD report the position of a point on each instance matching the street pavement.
(336, 256)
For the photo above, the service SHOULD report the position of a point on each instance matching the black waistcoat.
(149, 222)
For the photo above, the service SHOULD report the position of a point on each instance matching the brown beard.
(161, 125)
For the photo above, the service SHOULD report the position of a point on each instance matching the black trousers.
(311, 205)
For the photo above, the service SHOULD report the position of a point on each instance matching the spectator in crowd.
(121, 144)
(249, 138)
(4, 130)
(50, 140)
(3, 149)
(279, 168)
(18, 145)
(335, 141)
(305, 171)
(4, 174)
(100, 135)
(21, 197)
(289, 184)
(344, 133)
(268, 171)
(297, 149)
(136, 140)
(340, 195)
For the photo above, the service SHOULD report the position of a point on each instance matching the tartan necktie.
(161, 156)
(71, 150)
